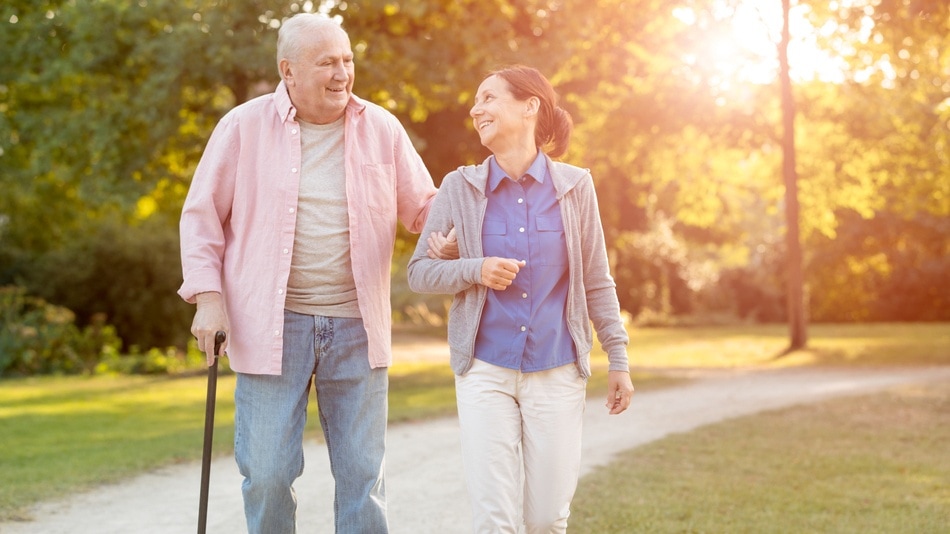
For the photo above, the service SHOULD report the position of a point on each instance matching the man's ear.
(286, 72)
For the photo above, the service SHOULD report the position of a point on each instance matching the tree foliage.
(879, 168)
(107, 106)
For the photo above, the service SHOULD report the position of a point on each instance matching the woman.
(531, 278)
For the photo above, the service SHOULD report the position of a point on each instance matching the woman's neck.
(516, 160)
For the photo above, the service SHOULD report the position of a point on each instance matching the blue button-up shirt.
(524, 327)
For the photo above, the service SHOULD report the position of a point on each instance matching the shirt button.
(524, 295)
(520, 201)
(294, 169)
(523, 328)
(521, 229)
(293, 131)
(291, 210)
(276, 333)
(286, 251)
(280, 291)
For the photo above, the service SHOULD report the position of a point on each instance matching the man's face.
(320, 79)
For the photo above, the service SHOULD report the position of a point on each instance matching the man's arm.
(415, 189)
(206, 208)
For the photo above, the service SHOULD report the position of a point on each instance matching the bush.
(39, 338)
(154, 361)
(128, 273)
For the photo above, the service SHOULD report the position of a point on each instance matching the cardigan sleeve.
(427, 275)
(603, 305)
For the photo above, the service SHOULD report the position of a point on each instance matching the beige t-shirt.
(321, 274)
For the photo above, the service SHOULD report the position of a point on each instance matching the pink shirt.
(238, 220)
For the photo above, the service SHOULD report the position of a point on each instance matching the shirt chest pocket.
(494, 238)
(552, 244)
(379, 187)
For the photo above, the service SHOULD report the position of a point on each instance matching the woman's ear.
(532, 104)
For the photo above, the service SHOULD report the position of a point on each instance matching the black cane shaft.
(209, 434)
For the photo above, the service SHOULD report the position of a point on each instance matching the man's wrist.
(207, 297)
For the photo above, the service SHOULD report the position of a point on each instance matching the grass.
(757, 345)
(870, 464)
(60, 434)
(63, 434)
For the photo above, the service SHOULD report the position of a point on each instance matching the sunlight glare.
(748, 52)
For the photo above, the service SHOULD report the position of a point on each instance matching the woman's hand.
(619, 391)
(499, 273)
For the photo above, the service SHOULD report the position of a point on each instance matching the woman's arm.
(428, 275)
(601, 291)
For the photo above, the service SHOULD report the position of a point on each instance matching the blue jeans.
(269, 422)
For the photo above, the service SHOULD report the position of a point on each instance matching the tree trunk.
(793, 266)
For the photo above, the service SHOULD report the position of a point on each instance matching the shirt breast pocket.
(551, 241)
(494, 238)
(379, 186)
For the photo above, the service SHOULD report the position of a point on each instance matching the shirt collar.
(287, 111)
(282, 101)
(538, 170)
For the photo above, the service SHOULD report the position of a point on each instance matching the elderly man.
(287, 237)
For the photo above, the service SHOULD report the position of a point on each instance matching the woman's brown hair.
(554, 122)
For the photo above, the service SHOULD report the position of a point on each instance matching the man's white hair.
(292, 29)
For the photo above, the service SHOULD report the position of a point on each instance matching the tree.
(105, 100)
(795, 283)
(107, 107)
(880, 173)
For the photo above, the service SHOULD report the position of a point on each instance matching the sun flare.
(740, 44)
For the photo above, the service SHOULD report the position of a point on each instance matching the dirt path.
(425, 486)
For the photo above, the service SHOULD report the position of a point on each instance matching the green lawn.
(875, 464)
(60, 434)
(828, 344)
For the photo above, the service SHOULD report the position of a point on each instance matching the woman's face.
(498, 117)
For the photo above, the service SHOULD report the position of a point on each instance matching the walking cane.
(219, 338)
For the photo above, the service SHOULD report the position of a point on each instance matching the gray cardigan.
(592, 293)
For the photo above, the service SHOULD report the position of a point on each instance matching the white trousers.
(521, 445)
